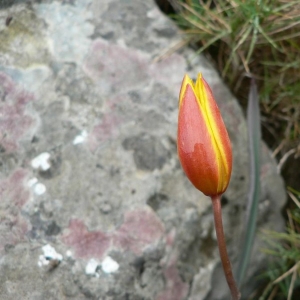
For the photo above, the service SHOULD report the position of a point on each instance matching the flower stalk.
(216, 202)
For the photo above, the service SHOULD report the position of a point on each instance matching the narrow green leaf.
(212, 40)
(254, 135)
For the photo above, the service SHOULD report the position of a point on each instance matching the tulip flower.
(205, 154)
(203, 144)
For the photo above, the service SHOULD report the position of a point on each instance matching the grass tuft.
(256, 37)
(283, 273)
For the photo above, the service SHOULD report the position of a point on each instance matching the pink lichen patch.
(166, 71)
(13, 229)
(141, 228)
(176, 289)
(86, 244)
(13, 190)
(115, 68)
(105, 130)
(14, 121)
(13, 195)
(170, 238)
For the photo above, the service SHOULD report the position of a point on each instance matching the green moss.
(23, 40)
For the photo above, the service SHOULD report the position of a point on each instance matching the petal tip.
(185, 82)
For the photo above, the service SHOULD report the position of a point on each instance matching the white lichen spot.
(109, 265)
(39, 189)
(41, 162)
(31, 182)
(69, 254)
(50, 255)
(91, 267)
(79, 139)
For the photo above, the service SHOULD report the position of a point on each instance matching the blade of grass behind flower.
(271, 41)
(254, 134)
(234, 50)
(211, 41)
(253, 40)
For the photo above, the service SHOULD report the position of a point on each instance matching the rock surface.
(94, 204)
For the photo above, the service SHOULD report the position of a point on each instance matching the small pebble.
(79, 139)
(109, 265)
(41, 162)
(50, 255)
(39, 189)
(91, 267)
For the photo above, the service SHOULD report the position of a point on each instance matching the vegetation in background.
(284, 271)
(256, 37)
(260, 39)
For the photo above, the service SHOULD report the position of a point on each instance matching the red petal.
(195, 147)
(222, 139)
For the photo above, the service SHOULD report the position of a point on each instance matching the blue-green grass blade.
(254, 137)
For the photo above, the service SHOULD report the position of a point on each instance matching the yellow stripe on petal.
(186, 81)
(202, 94)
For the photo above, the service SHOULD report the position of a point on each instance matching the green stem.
(216, 202)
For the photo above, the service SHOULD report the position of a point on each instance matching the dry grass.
(284, 272)
(253, 38)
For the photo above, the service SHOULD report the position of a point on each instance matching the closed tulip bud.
(205, 154)
(204, 147)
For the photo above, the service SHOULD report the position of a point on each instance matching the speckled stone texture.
(93, 201)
